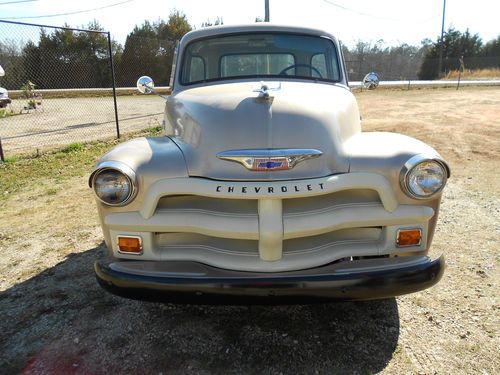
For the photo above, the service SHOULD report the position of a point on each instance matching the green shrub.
(73, 147)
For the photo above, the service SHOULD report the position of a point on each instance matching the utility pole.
(266, 5)
(440, 65)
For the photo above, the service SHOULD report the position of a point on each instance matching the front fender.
(386, 153)
(151, 158)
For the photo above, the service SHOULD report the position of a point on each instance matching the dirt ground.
(56, 319)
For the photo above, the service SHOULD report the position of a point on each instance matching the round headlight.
(424, 178)
(113, 187)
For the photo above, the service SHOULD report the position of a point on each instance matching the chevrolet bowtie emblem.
(264, 160)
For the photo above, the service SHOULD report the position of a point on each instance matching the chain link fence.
(412, 68)
(142, 56)
(389, 67)
(58, 88)
(58, 84)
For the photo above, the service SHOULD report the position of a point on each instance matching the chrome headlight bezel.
(411, 164)
(122, 168)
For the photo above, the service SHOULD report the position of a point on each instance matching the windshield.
(259, 56)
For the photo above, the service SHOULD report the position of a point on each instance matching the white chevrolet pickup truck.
(263, 188)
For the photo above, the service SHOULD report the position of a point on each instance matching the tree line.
(461, 50)
(65, 58)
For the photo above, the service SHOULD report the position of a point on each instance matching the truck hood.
(209, 120)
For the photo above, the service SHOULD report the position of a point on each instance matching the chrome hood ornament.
(264, 92)
(263, 160)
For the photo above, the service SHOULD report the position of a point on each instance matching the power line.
(372, 15)
(68, 13)
(19, 1)
(353, 10)
(52, 27)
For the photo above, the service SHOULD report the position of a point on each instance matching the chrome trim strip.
(247, 157)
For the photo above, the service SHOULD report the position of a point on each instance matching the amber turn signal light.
(131, 245)
(409, 237)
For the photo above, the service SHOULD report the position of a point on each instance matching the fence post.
(112, 65)
(460, 70)
(2, 158)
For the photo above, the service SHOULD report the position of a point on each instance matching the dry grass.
(56, 166)
(490, 73)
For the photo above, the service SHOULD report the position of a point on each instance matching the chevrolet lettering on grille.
(260, 189)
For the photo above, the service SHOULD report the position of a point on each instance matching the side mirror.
(371, 81)
(145, 85)
(2, 72)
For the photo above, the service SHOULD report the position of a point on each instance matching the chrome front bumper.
(196, 283)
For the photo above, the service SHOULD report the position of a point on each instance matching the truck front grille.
(273, 233)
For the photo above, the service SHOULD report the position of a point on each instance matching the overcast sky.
(394, 21)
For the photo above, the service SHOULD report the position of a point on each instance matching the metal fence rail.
(437, 83)
(89, 91)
